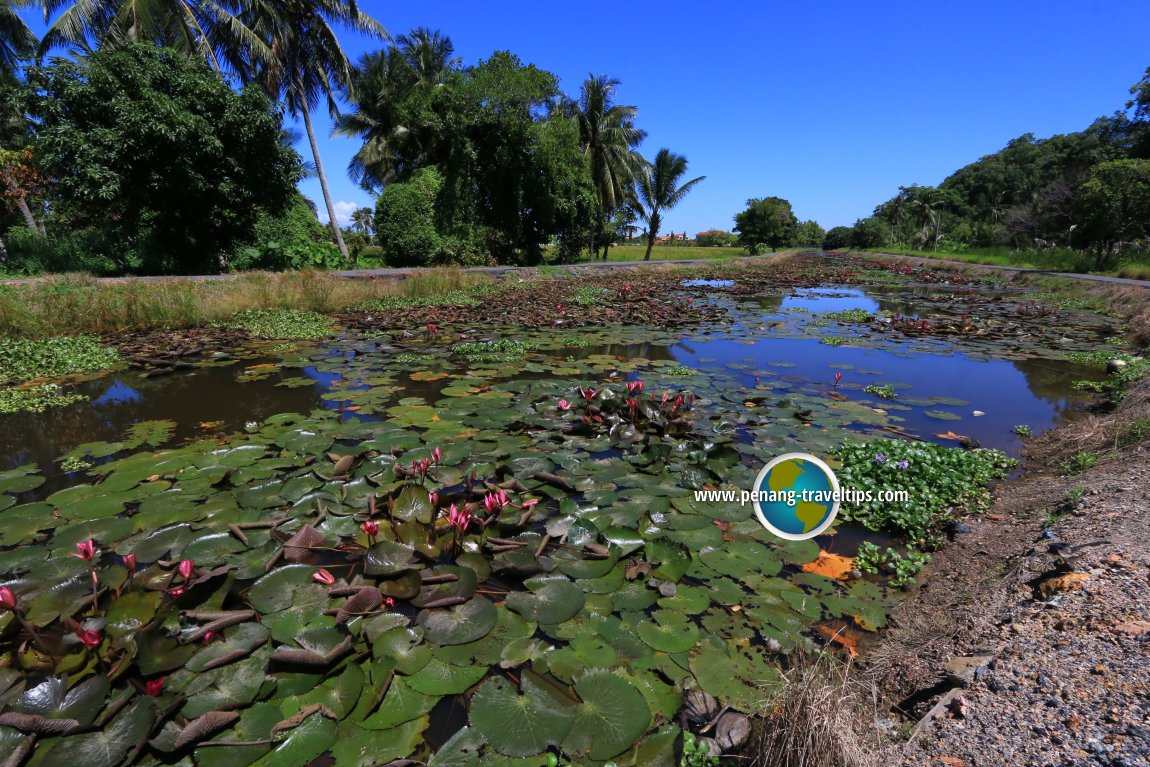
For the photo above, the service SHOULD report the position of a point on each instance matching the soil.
(1029, 642)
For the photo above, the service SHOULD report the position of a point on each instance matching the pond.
(478, 542)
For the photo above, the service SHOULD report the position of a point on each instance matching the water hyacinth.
(902, 465)
(880, 458)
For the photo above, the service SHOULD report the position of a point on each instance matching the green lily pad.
(552, 599)
(521, 724)
(612, 716)
(458, 624)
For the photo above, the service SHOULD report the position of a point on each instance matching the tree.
(1114, 204)
(363, 222)
(837, 237)
(306, 63)
(393, 93)
(405, 220)
(204, 28)
(871, 232)
(17, 42)
(715, 238)
(661, 189)
(809, 233)
(767, 222)
(153, 151)
(609, 139)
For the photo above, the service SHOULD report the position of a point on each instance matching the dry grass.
(72, 304)
(824, 717)
(1103, 433)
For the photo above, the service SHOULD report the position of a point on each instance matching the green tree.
(660, 189)
(17, 42)
(715, 238)
(809, 233)
(204, 28)
(405, 220)
(870, 232)
(396, 107)
(307, 64)
(363, 222)
(767, 222)
(609, 139)
(153, 151)
(837, 237)
(1114, 204)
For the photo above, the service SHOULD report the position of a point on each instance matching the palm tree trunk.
(29, 219)
(650, 244)
(323, 185)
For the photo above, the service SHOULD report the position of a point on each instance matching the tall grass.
(71, 304)
(1060, 260)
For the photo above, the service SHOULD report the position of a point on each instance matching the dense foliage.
(155, 160)
(1084, 190)
(767, 222)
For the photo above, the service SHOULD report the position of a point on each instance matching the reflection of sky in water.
(119, 393)
(830, 300)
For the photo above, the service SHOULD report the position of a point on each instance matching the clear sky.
(831, 105)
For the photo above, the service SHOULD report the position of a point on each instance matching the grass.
(1059, 260)
(670, 253)
(78, 304)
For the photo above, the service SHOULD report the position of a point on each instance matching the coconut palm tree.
(659, 190)
(381, 83)
(609, 139)
(306, 63)
(363, 221)
(205, 28)
(17, 42)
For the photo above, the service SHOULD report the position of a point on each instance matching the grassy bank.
(671, 253)
(1060, 260)
(70, 304)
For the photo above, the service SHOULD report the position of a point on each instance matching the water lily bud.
(186, 568)
(7, 599)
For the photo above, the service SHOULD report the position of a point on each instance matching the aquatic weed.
(22, 359)
(36, 399)
(281, 323)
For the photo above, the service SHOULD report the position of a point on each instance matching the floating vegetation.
(497, 350)
(281, 323)
(1023, 430)
(940, 483)
(407, 358)
(849, 315)
(36, 399)
(679, 370)
(883, 391)
(835, 340)
(73, 463)
(23, 359)
(585, 295)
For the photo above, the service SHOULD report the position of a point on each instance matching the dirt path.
(1029, 643)
(498, 271)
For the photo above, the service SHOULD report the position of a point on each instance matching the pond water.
(577, 588)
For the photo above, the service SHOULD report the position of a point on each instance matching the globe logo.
(796, 496)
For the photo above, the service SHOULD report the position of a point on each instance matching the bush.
(716, 238)
(869, 233)
(405, 223)
(294, 240)
(837, 237)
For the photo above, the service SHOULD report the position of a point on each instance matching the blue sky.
(831, 105)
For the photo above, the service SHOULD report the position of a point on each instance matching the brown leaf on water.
(204, 727)
(299, 546)
(952, 436)
(831, 565)
(428, 375)
(39, 725)
(343, 465)
(366, 600)
(209, 425)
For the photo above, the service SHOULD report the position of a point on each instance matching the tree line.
(1088, 191)
(156, 143)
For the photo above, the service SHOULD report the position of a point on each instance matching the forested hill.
(1088, 190)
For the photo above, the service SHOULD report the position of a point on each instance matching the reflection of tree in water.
(646, 351)
(1050, 379)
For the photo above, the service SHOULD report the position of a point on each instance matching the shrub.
(405, 222)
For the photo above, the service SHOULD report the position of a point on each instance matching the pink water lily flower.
(323, 576)
(436, 455)
(186, 568)
(85, 550)
(176, 593)
(7, 599)
(433, 497)
(838, 377)
(635, 387)
(493, 502)
(588, 393)
(371, 527)
(88, 638)
(154, 687)
(564, 405)
(130, 562)
(460, 519)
